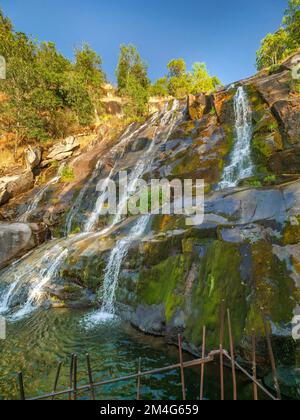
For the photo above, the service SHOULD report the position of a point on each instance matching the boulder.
(32, 157)
(11, 186)
(62, 151)
(4, 195)
(198, 105)
(18, 238)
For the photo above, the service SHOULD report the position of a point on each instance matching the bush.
(67, 174)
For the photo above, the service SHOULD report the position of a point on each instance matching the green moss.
(219, 287)
(291, 234)
(75, 231)
(273, 291)
(67, 174)
(86, 271)
(165, 284)
(157, 250)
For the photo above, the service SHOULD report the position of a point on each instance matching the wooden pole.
(181, 367)
(272, 359)
(138, 396)
(57, 378)
(234, 382)
(71, 376)
(254, 367)
(202, 366)
(75, 377)
(222, 357)
(90, 374)
(21, 386)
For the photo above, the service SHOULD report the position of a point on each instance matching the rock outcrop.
(33, 157)
(16, 239)
(62, 151)
(11, 186)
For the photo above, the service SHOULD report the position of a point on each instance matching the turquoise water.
(36, 344)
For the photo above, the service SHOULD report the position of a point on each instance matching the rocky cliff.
(246, 254)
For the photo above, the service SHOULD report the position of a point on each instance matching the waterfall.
(241, 165)
(24, 282)
(120, 251)
(125, 139)
(77, 203)
(35, 277)
(113, 268)
(39, 196)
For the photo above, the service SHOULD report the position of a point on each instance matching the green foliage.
(270, 179)
(177, 68)
(160, 88)
(133, 81)
(292, 22)
(179, 82)
(201, 80)
(276, 47)
(67, 174)
(42, 86)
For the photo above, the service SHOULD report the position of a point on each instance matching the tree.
(201, 80)
(88, 65)
(160, 88)
(44, 89)
(133, 81)
(179, 82)
(274, 48)
(291, 21)
(177, 68)
(131, 64)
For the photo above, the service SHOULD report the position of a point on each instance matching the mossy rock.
(291, 234)
(165, 284)
(219, 287)
(273, 290)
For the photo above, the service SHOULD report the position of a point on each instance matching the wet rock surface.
(18, 238)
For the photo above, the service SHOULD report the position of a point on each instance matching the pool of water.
(38, 343)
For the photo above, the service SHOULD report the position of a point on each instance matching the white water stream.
(241, 165)
(26, 280)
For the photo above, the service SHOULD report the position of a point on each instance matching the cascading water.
(27, 278)
(35, 277)
(76, 206)
(94, 217)
(39, 196)
(241, 165)
(122, 247)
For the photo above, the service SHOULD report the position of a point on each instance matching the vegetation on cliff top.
(276, 47)
(179, 82)
(43, 89)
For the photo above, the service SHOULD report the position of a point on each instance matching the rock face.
(198, 105)
(178, 278)
(62, 151)
(11, 186)
(18, 238)
(33, 157)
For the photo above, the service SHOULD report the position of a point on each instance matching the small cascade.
(241, 165)
(94, 217)
(77, 203)
(121, 146)
(38, 198)
(30, 280)
(113, 268)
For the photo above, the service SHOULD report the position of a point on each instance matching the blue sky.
(223, 33)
